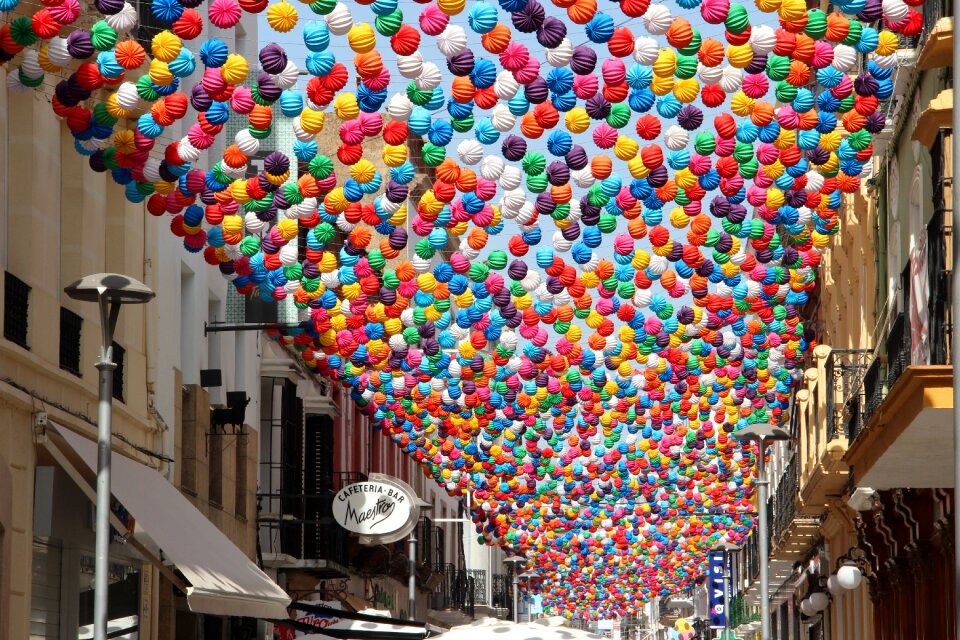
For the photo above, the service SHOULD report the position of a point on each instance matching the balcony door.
(319, 487)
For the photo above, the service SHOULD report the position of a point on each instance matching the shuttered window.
(70, 328)
(16, 303)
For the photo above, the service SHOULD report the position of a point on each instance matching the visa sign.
(716, 591)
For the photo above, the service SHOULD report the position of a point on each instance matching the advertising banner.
(716, 591)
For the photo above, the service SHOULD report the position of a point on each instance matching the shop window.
(119, 356)
(16, 302)
(70, 328)
(123, 600)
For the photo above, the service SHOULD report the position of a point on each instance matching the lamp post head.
(761, 432)
(726, 546)
(117, 288)
(515, 559)
(529, 575)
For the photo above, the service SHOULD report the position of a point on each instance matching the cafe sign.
(381, 510)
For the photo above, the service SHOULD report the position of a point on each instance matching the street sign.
(382, 510)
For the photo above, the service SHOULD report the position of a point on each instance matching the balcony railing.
(430, 544)
(302, 528)
(940, 256)
(845, 371)
(783, 503)
(301, 525)
(882, 373)
(933, 10)
(872, 396)
(457, 591)
(479, 580)
(502, 596)
(898, 349)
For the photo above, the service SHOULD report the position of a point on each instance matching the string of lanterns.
(601, 280)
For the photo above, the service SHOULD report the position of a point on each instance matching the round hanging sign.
(381, 510)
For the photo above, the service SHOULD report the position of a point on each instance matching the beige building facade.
(59, 221)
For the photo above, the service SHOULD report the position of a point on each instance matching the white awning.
(223, 580)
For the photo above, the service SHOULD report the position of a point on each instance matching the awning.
(223, 580)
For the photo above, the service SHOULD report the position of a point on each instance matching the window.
(15, 309)
(70, 327)
(291, 468)
(123, 601)
(118, 358)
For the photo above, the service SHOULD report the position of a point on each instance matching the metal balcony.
(845, 370)
(457, 591)
(297, 530)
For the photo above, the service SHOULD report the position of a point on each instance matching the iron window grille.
(70, 327)
(119, 356)
(16, 303)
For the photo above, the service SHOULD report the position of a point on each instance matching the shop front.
(172, 572)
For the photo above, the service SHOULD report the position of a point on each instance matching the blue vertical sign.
(716, 591)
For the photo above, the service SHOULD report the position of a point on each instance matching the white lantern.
(849, 576)
(806, 607)
(819, 600)
(833, 584)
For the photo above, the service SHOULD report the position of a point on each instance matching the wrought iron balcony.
(301, 525)
(939, 260)
(845, 371)
(898, 347)
(882, 373)
(431, 544)
(872, 395)
(502, 597)
(479, 578)
(783, 503)
(457, 591)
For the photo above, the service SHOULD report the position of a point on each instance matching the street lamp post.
(763, 434)
(110, 291)
(513, 561)
(528, 576)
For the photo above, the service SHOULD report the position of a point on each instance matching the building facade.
(59, 221)
(867, 481)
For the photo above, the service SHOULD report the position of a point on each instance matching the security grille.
(16, 303)
(70, 327)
